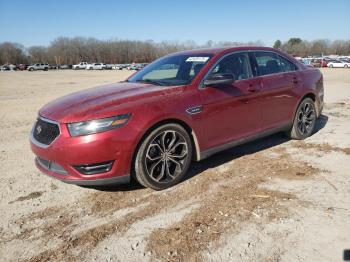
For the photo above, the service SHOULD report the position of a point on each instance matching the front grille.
(45, 132)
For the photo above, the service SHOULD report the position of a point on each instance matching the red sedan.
(183, 107)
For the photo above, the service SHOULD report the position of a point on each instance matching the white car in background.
(81, 65)
(95, 66)
(338, 63)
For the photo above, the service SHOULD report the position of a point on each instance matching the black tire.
(345, 66)
(304, 120)
(331, 66)
(31, 69)
(164, 157)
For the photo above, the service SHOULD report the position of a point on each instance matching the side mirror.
(219, 79)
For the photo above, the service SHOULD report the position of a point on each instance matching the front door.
(231, 112)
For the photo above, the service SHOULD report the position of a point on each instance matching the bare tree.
(12, 53)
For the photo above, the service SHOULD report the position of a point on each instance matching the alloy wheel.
(306, 118)
(166, 156)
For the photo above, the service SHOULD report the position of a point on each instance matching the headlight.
(98, 125)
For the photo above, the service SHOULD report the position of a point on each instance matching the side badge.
(194, 110)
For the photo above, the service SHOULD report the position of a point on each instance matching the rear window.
(268, 63)
(272, 63)
(286, 65)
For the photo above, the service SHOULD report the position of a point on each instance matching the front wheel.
(345, 66)
(164, 157)
(304, 120)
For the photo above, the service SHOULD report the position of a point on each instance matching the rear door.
(278, 81)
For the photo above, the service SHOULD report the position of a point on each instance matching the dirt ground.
(270, 200)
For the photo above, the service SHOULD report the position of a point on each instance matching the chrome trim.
(37, 143)
(88, 168)
(195, 110)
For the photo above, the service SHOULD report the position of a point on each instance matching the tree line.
(298, 47)
(65, 50)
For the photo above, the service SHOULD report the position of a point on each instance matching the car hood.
(100, 102)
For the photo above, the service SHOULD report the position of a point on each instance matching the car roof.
(218, 50)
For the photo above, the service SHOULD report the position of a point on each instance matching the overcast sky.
(37, 22)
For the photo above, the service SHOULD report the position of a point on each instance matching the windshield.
(172, 70)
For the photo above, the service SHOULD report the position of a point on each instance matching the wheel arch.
(310, 95)
(314, 98)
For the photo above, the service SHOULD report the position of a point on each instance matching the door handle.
(252, 88)
(245, 101)
(295, 80)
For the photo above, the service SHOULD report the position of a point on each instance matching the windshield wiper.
(151, 81)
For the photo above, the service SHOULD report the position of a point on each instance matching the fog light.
(92, 169)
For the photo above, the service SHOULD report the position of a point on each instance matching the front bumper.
(118, 180)
(66, 153)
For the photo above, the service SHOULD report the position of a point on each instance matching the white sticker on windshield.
(197, 59)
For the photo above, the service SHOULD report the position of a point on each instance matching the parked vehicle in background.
(38, 66)
(9, 67)
(64, 67)
(135, 67)
(346, 60)
(95, 66)
(6, 68)
(22, 67)
(131, 67)
(120, 66)
(324, 62)
(108, 67)
(81, 65)
(316, 63)
(338, 64)
(151, 126)
(54, 66)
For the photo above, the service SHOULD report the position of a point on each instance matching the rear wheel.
(163, 157)
(331, 66)
(304, 120)
(345, 66)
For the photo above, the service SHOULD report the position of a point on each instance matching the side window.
(236, 64)
(287, 66)
(268, 63)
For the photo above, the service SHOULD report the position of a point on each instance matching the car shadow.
(223, 157)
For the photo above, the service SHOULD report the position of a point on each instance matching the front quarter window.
(172, 70)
